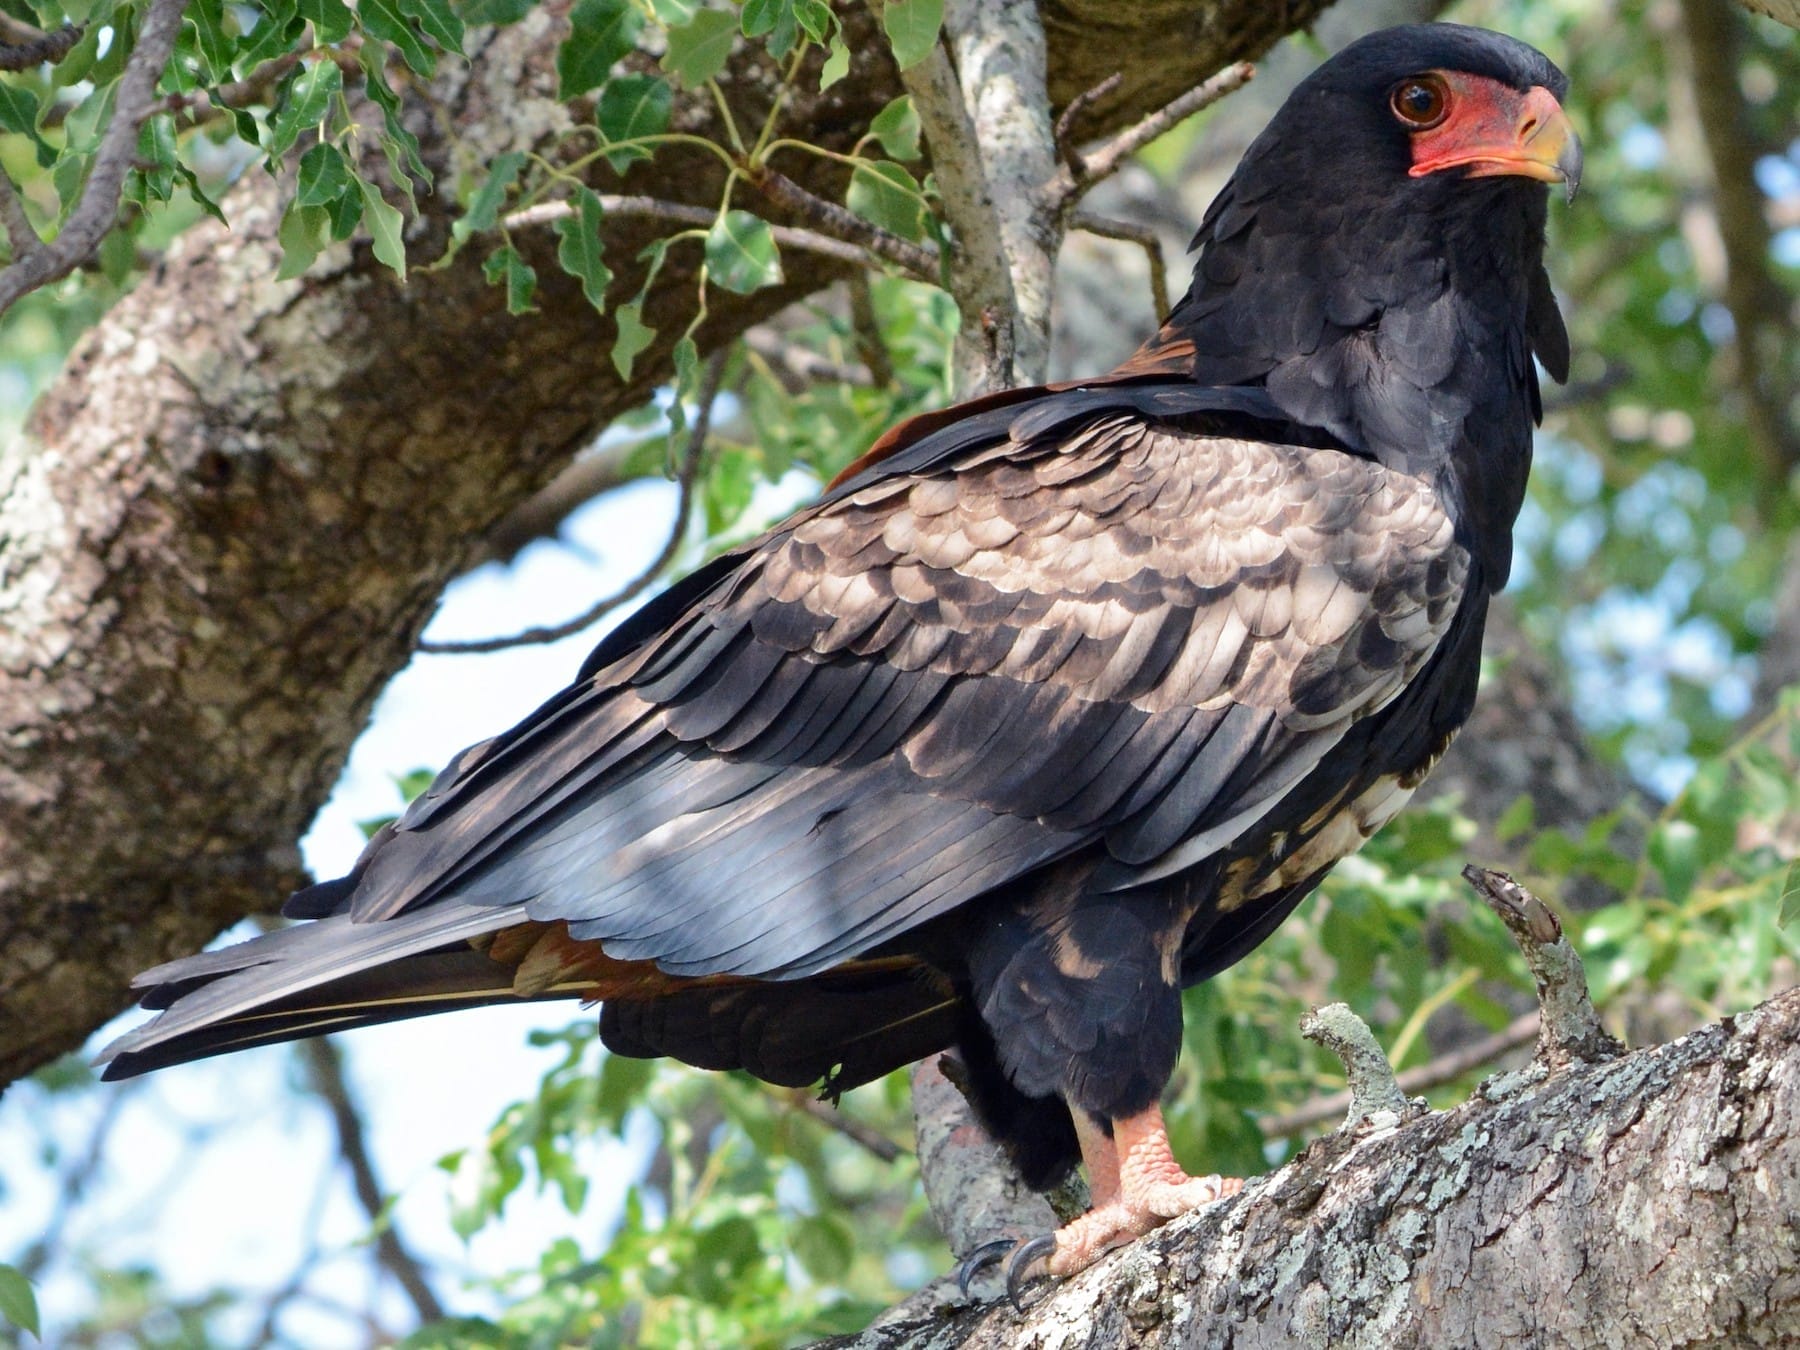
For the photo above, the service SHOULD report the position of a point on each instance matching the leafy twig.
(40, 264)
(686, 476)
(545, 213)
(832, 221)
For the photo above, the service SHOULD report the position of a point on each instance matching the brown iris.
(1421, 102)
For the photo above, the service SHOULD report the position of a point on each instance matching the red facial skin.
(1490, 128)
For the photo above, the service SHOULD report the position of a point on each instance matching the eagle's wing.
(1118, 629)
(1112, 617)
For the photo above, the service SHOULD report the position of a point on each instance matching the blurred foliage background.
(1654, 553)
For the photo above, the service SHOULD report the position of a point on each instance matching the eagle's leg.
(1136, 1186)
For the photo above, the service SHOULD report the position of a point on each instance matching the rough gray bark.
(224, 528)
(1646, 1201)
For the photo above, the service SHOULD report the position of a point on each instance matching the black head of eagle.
(1056, 702)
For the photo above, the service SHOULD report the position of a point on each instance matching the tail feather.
(326, 975)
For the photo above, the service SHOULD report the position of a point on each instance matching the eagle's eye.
(1420, 101)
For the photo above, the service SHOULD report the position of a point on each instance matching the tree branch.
(839, 1121)
(844, 248)
(1145, 237)
(689, 471)
(37, 266)
(1740, 230)
(1445, 1068)
(1086, 170)
(325, 1070)
(979, 278)
(22, 46)
(1570, 1029)
(833, 223)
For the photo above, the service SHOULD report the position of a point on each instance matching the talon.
(987, 1254)
(1026, 1255)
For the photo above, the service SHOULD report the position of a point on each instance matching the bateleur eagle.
(1057, 702)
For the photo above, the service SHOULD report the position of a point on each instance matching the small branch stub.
(1374, 1094)
(1570, 1032)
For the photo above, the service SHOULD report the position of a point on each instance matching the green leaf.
(438, 21)
(346, 214)
(19, 113)
(823, 1245)
(1674, 850)
(303, 105)
(633, 337)
(199, 194)
(837, 64)
(1516, 819)
(331, 19)
(579, 251)
(496, 12)
(399, 145)
(686, 356)
(156, 157)
(741, 254)
(81, 129)
(79, 62)
(505, 265)
(385, 228)
(600, 32)
(215, 46)
(912, 29)
(304, 231)
(1790, 896)
(897, 128)
(633, 106)
(324, 176)
(18, 1302)
(815, 17)
(888, 195)
(722, 1253)
(623, 1082)
(699, 49)
(384, 19)
(775, 19)
(277, 30)
(483, 211)
(674, 13)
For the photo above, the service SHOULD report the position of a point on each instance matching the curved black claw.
(987, 1254)
(1024, 1257)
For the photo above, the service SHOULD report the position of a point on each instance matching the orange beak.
(1493, 129)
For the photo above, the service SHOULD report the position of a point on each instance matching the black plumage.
(1054, 703)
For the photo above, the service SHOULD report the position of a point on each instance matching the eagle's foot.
(1148, 1198)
